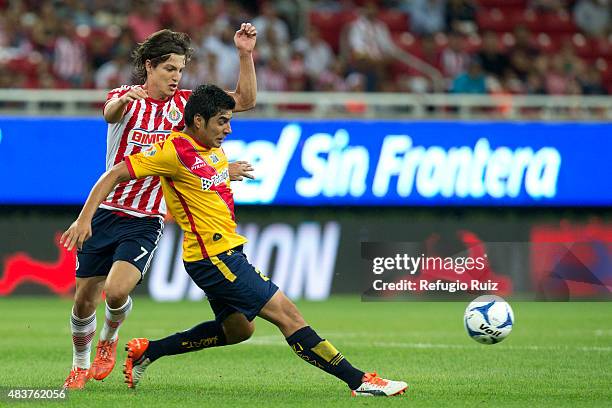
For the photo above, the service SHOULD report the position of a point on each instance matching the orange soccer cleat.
(106, 354)
(135, 362)
(375, 386)
(76, 379)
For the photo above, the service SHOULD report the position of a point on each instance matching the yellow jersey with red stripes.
(196, 186)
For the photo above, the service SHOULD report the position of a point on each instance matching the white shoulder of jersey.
(122, 88)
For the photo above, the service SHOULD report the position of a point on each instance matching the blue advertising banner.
(344, 162)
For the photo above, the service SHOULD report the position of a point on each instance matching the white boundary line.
(277, 340)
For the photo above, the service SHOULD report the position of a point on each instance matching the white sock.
(114, 318)
(83, 331)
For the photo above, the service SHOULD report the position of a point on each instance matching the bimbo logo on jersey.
(143, 137)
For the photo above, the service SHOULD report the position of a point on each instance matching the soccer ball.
(488, 319)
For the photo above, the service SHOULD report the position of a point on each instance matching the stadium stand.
(69, 44)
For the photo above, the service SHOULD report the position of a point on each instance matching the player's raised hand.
(246, 37)
(77, 234)
(240, 169)
(134, 94)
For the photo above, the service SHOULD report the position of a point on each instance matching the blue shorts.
(232, 284)
(118, 238)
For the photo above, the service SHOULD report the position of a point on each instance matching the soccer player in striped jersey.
(196, 184)
(129, 221)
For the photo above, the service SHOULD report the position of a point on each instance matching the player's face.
(216, 130)
(163, 80)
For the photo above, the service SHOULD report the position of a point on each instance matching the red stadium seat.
(361, 3)
(398, 69)
(532, 21)
(591, 48)
(397, 21)
(24, 65)
(517, 4)
(330, 24)
(556, 23)
(413, 45)
(604, 47)
(347, 16)
(488, 19)
(591, 60)
(549, 22)
(106, 36)
(327, 24)
(407, 42)
(498, 20)
(547, 43)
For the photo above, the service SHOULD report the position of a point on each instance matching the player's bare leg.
(283, 313)
(120, 282)
(83, 327)
(319, 352)
(87, 295)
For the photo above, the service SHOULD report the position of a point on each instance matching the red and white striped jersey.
(146, 122)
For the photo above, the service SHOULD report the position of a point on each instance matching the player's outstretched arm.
(80, 230)
(246, 89)
(115, 108)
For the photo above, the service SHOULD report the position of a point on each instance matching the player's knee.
(239, 333)
(84, 305)
(116, 296)
(235, 337)
(245, 333)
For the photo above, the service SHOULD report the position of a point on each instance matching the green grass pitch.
(559, 354)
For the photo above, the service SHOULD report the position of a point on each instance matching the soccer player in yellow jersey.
(196, 185)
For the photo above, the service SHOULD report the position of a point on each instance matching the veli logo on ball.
(488, 319)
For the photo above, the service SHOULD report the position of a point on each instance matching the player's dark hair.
(207, 101)
(157, 48)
